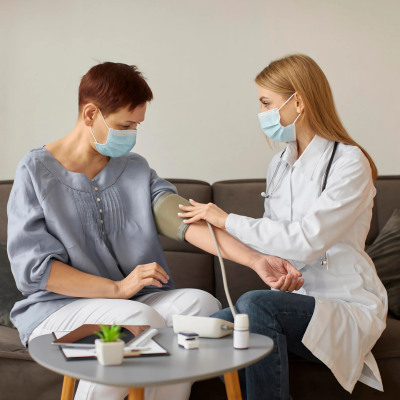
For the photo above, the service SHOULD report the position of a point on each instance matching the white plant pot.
(109, 353)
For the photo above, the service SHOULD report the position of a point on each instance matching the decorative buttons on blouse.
(98, 199)
(101, 221)
(101, 210)
(96, 188)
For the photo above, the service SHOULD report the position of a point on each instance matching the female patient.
(82, 241)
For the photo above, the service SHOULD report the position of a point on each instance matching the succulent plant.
(110, 333)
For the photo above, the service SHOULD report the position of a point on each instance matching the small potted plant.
(110, 347)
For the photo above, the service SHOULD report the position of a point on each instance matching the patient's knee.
(198, 302)
(140, 314)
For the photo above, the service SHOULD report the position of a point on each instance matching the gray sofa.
(21, 377)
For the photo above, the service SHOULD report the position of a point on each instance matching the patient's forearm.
(69, 281)
(232, 249)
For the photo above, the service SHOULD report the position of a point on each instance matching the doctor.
(318, 207)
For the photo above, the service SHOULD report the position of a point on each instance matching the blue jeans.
(283, 317)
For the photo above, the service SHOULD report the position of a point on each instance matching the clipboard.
(85, 335)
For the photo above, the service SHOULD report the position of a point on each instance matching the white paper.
(155, 348)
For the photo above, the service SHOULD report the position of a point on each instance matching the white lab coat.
(300, 224)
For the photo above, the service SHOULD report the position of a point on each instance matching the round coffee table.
(215, 357)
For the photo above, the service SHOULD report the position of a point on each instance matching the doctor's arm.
(274, 271)
(348, 192)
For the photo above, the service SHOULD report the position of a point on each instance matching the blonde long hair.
(300, 74)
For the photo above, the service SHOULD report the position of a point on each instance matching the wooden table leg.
(68, 388)
(232, 386)
(136, 394)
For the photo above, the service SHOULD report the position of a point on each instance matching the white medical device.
(188, 340)
(205, 327)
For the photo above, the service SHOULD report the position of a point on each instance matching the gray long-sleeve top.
(102, 226)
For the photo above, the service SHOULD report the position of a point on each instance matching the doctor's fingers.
(194, 219)
(300, 283)
(191, 213)
(292, 270)
(188, 208)
(278, 284)
(293, 284)
(288, 284)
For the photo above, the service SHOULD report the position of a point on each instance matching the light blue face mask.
(270, 122)
(119, 142)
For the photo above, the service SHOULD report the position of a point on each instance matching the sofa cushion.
(385, 253)
(11, 346)
(387, 198)
(9, 294)
(388, 345)
(5, 189)
(191, 270)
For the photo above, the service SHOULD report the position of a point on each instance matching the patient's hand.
(278, 273)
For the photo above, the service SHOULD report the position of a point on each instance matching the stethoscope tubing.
(324, 258)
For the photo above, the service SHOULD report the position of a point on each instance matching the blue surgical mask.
(270, 122)
(119, 142)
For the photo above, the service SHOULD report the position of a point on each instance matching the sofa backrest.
(5, 189)
(243, 197)
(191, 267)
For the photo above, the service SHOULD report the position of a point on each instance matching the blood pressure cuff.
(165, 211)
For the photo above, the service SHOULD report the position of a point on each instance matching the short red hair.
(111, 86)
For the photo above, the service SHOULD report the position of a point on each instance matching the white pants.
(154, 309)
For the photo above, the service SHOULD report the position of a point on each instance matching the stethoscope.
(267, 194)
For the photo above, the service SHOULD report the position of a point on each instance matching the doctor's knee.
(257, 302)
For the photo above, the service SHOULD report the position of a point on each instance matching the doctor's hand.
(209, 212)
(278, 273)
(141, 276)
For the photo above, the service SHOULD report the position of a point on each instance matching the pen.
(75, 345)
(133, 349)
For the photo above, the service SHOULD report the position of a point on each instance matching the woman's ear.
(89, 114)
(298, 102)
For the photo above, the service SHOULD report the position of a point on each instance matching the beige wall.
(200, 58)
